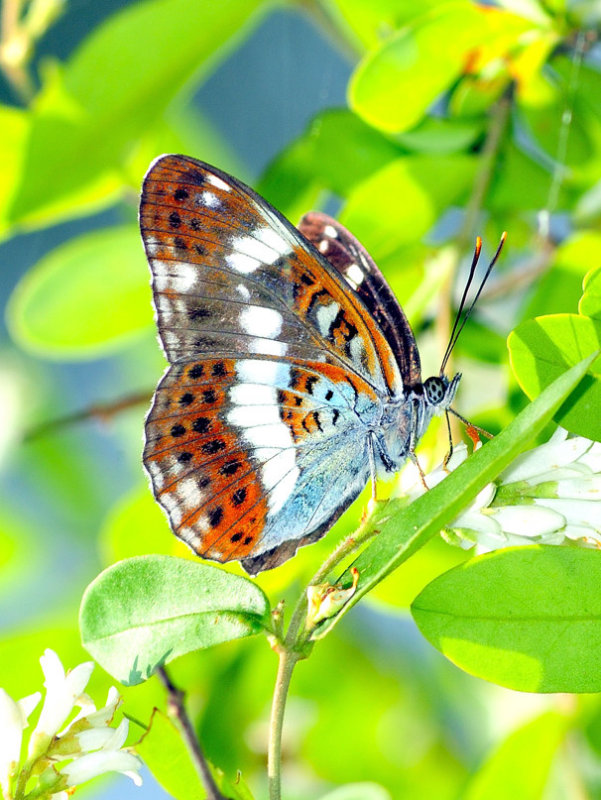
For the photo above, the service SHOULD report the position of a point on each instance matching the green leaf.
(14, 124)
(166, 755)
(168, 758)
(88, 297)
(142, 613)
(559, 288)
(542, 348)
(394, 87)
(401, 202)
(511, 771)
(320, 159)
(403, 529)
(111, 90)
(370, 22)
(528, 618)
(590, 302)
(358, 791)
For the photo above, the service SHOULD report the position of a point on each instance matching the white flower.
(109, 758)
(549, 494)
(63, 693)
(13, 719)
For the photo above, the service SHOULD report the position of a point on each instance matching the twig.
(100, 411)
(177, 710)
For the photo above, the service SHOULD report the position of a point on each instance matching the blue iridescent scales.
(294, 376)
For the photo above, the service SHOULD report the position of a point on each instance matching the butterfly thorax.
(404, 420)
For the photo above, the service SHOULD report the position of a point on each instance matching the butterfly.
(294, 376)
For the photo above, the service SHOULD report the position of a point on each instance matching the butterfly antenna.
(457, 328)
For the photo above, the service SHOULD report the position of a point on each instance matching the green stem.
(287, 662)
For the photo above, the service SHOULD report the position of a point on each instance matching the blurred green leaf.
(543, 348)
(358, 791)
(166, 755)
(116, 84)
(590, 302)
(144, 612)
(168, 758)
(520, 183)
(559, 288)
(336, 152)
(403, 529)
(527, 618)
(138, 511)
(14, 124)
(437, 135)
(394, 86)
(368, 23)
(401, 202)
(88, 297)
(511, 771)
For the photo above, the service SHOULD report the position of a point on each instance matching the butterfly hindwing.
(250, 457)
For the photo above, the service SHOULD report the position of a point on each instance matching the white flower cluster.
(57, 760)
(548, 495)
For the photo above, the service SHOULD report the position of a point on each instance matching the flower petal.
(575, 512)
(62, 692)
(528, 520)
(547, 457)
(91, 765)
(12, 722)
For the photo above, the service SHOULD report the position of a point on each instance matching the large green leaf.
(143, 612)
(110, 91)
(402, 530)
(528, 618)
(542, 348)
(88, 297)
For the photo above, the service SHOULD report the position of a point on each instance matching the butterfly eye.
(435, 390)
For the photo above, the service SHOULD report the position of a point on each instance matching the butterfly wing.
(231, 276)
(256, 441)
(358, 269)
(252, 458)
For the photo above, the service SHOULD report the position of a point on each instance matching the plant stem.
(287, 662)
(176, 709)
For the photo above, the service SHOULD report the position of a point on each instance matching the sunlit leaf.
(115, 85)
(88, 297)
(590, 303)
(526, 617)
(543, 348)
(143, 612)
(560, 287)
(394, 87)
(14, 124)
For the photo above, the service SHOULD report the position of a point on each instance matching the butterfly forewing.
(345, 253)
(233, 277)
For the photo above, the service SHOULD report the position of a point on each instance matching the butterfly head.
(439, 392)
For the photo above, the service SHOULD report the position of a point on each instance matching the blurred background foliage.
(420, 124)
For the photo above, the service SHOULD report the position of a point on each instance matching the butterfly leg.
(411, 450)
(372, 466)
